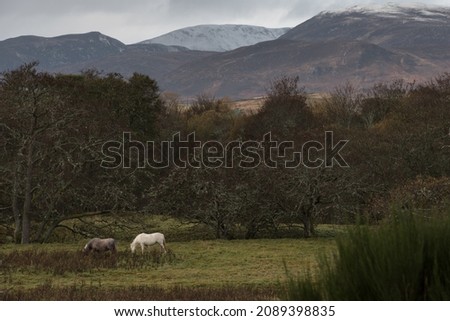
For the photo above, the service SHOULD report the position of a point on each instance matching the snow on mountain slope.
(419, 12)
(217, 37)
(419, 29)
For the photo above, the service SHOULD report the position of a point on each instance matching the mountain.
(155, 60)
(57, 52)
(76, 52)
(362, 45)
(217, 37)
(248, 71)
(417, 29)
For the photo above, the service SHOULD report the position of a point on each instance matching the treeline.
(54, 127)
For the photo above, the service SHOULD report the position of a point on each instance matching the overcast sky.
(136, 20)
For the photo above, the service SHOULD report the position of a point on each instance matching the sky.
(137, 20)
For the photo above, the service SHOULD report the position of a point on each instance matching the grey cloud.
(51, 7)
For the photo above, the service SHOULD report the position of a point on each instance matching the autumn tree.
(343, 106)
(210, 118)
(54, 127)
(284, 111)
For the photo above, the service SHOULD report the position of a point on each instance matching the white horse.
(144, 239)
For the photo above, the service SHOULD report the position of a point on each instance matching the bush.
(62, 262)
(428, 196)
(404, 260)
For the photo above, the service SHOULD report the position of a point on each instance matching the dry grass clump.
(136, 293)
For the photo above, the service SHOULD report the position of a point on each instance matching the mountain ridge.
(54, 52)
(217, 37)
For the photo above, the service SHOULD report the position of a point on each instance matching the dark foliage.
(404, 260)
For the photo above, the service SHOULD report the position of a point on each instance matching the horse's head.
(133, 247)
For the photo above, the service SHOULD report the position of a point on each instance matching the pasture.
(198, 269)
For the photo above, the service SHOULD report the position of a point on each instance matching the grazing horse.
(100, 245)
(144, 239)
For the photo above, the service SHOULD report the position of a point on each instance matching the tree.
(283, 113)
(143, 105)
(343, 107)
(32, 113)
(382, 99)
(210, 119)
(54, 128)
(312, 196)
(198, 196)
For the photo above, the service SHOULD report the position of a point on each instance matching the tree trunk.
(15, 208)
(307, 227)
(308, 224)
(252, 229)
(28, 191)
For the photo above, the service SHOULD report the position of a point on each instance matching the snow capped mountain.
(217, 37)
(418, 29)
(417, 12)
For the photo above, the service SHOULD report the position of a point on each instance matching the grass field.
(215, 269)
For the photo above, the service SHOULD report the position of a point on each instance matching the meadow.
(405, 258)
(206, 269)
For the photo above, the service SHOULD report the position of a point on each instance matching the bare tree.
(344, 105)
(31, 111)
(54, 129)
(198, 196)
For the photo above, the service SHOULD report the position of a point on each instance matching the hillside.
(217, 37)
(57, 52)
(417, 29)
(246, 72)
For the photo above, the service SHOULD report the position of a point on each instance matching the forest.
(54, 128)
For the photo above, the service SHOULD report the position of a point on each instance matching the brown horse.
(100, 245)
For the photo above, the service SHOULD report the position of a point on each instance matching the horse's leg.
(163, 249)
(142, 247)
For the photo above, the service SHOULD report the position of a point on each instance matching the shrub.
(428, 196)
(404, 260)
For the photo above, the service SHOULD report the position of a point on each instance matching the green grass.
(124, 226)
(201, 264)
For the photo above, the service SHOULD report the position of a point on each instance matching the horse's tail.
(114, 246)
